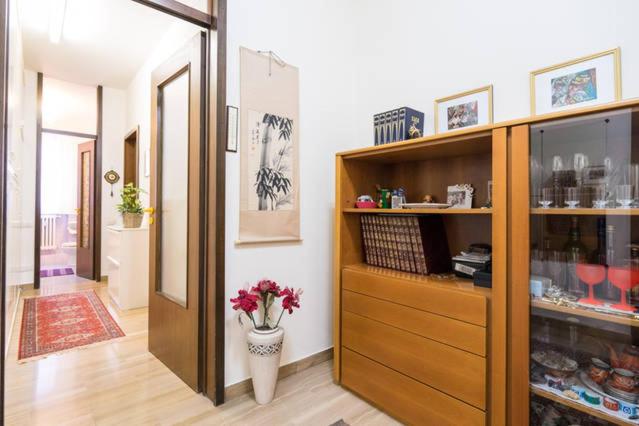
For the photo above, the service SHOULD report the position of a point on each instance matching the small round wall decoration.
(112, 177)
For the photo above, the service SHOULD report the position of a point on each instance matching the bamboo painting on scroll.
(270, 162)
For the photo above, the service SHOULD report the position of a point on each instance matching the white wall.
(416, 51)
(113, 131)
(313, 36)
(360, 57)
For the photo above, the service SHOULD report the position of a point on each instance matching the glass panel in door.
(584, 270)
(173, 204)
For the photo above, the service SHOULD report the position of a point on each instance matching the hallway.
(120, 382)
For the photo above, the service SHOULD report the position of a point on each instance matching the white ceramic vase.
(265, 351)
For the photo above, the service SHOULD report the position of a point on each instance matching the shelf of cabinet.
(586, 313)
(419, 211)
(585, 212)
(580, 406)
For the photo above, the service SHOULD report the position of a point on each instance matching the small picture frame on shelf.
(464, 110)
(232, 129)
(460, 196)
(582, 82)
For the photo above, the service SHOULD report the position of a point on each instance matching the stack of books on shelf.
(408, 243)
(392, 126)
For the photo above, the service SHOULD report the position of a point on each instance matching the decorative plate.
(111, 177)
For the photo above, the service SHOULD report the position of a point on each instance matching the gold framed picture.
(468, 109)
(582, 82)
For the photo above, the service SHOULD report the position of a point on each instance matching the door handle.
(77, 211)
(150, 211)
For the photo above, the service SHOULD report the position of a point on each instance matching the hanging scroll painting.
(269, 149)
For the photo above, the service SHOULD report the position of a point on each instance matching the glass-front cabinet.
(583, 270)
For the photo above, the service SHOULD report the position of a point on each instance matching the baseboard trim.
(238, 389)
(13, 319)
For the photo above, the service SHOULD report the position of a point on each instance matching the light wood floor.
(121, 383)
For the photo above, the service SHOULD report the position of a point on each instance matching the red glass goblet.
(591, 275)
(624, 279)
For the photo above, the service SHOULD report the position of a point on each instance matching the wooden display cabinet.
(558, 243)
(422, 347)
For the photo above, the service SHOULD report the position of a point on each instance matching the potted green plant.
(131, 207)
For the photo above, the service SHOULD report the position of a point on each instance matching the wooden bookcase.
(418, 346)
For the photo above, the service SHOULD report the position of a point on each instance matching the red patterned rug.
(64, 321)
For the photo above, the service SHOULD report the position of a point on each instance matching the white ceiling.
(103, 41)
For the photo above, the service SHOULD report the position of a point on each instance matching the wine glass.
(591, 275)
(571, 196)
(557, 163)
(557, 268)
(599, 197)
(580, 162)
(624, 278)
(624, 195)
(547, 197)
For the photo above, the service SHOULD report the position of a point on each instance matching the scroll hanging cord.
(272, 56)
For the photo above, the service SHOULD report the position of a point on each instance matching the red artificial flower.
(267, 286)
(291, 299)
(245, 301)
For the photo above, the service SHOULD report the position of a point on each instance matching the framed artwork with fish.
(583, 82)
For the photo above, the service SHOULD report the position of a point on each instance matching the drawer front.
(464, 306)
(462, 335)
(450, 370)
(404, 398)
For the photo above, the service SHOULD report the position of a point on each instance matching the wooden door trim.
(498, 311)
(97, 203)
(518, 275)
(38, 185)
(4, 64)
(215, 215)
(182, 11)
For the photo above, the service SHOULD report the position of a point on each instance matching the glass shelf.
(419, 211)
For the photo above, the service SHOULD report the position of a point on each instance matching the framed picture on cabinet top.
(464, 110)
(583, 82)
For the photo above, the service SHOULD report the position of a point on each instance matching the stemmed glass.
(624, 279)
(571, 196)
(599, 197)
(591, 275)
(546, 197)
(624, 195)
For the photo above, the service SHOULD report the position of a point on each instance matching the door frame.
(4, 66)
(133, 136)
(215, 124)
(97, 183)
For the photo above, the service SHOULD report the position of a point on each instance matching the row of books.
(392, 126)
(408, 243)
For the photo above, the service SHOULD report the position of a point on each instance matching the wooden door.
(85, 246)
(176, 231)
(131, 158)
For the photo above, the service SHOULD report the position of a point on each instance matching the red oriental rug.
(65, 321)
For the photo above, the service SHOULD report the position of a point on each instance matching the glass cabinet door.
(584, 270)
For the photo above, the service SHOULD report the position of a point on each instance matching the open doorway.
(67, 203)
(67, 235)
(120, 69)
